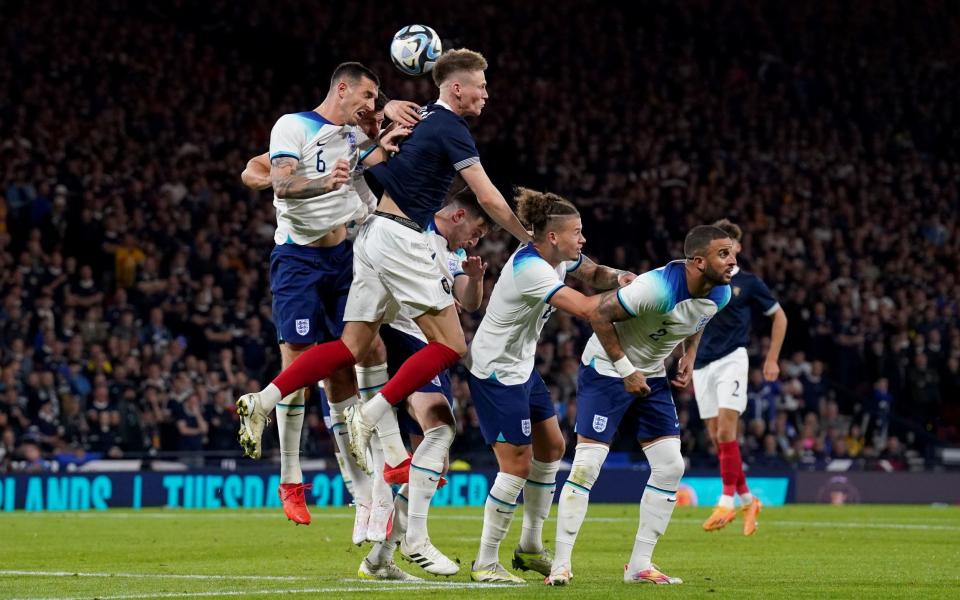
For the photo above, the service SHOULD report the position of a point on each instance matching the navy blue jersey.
(419, 176)
(730, 328)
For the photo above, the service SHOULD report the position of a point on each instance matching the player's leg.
(371, 376)
(541, 484)
(733, 402)
(432, 412)
(290, 413)
(601, 403)
(379, 563)
(659, 434)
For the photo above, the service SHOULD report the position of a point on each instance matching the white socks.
(658, 501)
(290, 424)
(369, 381)
(382, 552)
(497, 515)
(575, 497)
(374, 409)
(362, 490)
(269, 398)
(537, 497)
(425, 471)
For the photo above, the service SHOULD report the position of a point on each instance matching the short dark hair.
(700, 237)
(381, 102)
(452, 61)
(352, 71)
(732, 229)
(467, 200)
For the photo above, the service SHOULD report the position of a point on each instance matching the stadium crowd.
(134, 296)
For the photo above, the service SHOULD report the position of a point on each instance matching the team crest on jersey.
(303, 326)
(702, 322)
(599, 423)
(525, 426)
(445, 284)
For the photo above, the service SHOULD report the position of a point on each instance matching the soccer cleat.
(388, 572)
(294, 502)
(252, 422)
(360, 435)
(650, 575)
(558, 576)
(750, 514)
(720, 518)
(428, 558)
(361, 524)
(533, 561)
(397, 475)
(495, 574)
(381, 522)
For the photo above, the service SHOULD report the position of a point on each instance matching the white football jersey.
(317, 144)
(663, 315)
(451, 266)
(506, 341)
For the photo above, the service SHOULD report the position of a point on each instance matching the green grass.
(799, 552)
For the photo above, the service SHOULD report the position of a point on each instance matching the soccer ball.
(415, 49)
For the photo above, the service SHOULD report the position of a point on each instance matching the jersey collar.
(440, 102)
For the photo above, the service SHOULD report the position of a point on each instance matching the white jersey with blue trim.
(663, 315)
(451, 266)
(317, 144)
(506, 341)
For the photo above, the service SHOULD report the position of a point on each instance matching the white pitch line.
(10, 572)
(380, 587)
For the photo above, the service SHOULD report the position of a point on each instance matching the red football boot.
(294, 502)
(399, 474)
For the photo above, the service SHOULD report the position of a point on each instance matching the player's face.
(568, 237)
(720, 259)
(358, 99)
(467, 230)
(371, 123)
(473, 93)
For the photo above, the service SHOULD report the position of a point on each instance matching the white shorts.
(393, 265)
(722, 384)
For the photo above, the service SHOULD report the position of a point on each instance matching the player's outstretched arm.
(287, 185)
(257, 174)
(571, 301)
(778, 331)
(493, 202)
(469, 290)
(601, 277)
(609, 311)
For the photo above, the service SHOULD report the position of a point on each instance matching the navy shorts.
(603, 401)
(310, 287)
(507, 412)
(401, 346)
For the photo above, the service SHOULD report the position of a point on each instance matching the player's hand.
(390, 140)
(474, 267)
(771, 370)
(339, 175)
(402, 112)
(625, 277)
(684, 373)
(636, 384)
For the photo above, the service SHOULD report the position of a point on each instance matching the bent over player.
(635, 329)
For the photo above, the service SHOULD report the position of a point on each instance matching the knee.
(668, 466)
(725, 433)
(457, 345)
(587, 463)
(516, 461)
(440, 435)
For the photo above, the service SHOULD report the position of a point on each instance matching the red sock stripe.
(730, 466)
(424, 365)
(316, 364)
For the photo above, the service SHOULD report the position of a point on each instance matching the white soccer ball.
(415, 49)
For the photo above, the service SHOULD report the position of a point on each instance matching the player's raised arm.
(257, 174)
(611, 310)
(493, 202)
(468, 287)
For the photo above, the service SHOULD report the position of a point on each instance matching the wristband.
(624, 367)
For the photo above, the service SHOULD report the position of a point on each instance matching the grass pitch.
(799, 552)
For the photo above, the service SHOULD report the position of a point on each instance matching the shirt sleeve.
(460, 147)
(761, 296)
(286, 138)
(535, 278)
(646, 293)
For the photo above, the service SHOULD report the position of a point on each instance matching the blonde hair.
(453, 61)
(535, 209)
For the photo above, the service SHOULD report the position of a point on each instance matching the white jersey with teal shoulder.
(451, 266)
(506, 341)
(316, 144)
(663, 315)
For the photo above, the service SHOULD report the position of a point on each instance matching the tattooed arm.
(610, 311)
(601, 277)
(288, 185)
